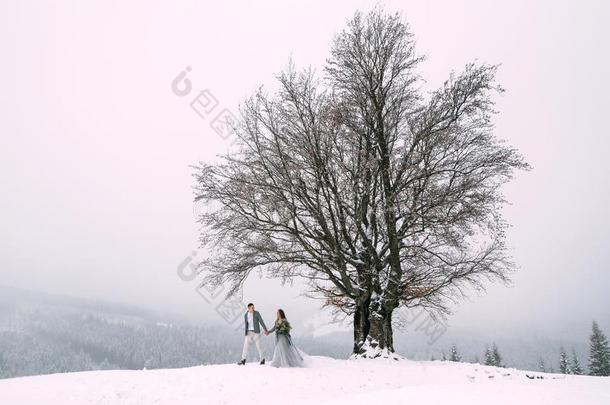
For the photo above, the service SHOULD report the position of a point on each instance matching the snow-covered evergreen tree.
(541, 365)
(489, 358)
(575, 366)
(599, 355)
(454, 355)
(497, 359)
(564, 365)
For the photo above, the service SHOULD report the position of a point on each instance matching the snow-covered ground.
(324, 381)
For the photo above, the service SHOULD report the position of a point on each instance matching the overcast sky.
(95, 147)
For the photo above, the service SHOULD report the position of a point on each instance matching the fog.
(96, 148)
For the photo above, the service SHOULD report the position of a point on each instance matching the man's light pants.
(252, 337)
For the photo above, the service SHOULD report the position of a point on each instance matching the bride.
(286, 353)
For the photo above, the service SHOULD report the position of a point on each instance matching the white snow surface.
(323, 381)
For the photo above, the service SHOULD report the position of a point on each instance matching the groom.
(253, 320)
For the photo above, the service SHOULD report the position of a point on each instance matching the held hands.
(266, 333)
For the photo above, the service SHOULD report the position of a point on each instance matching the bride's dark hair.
(281, 313)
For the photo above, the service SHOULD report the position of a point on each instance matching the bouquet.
(283, 328)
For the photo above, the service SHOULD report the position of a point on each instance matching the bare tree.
(378, 196)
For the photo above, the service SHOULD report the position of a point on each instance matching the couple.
(285, 354)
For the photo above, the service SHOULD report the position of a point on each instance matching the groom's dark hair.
(250, 305)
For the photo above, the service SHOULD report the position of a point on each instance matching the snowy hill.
(324, 381)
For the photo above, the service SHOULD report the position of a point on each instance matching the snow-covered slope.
(324, 381)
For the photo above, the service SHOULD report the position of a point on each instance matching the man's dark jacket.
(258, 320)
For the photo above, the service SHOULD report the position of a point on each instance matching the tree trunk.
(373, 334)
(381, 338)
(361, 325)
